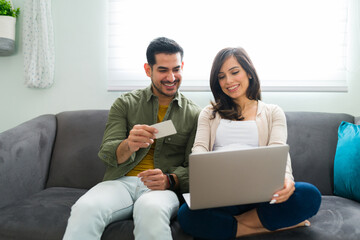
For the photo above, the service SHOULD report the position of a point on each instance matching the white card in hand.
(165, 128)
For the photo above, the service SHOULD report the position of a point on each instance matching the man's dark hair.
(162, 45)
(223, 104)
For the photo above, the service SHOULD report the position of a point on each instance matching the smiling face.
(166, 76)
(233, 80)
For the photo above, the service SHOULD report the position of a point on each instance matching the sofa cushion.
(125, 230)
(312, 138)
(42, 216)
(74, 161)
(347, 162)
(338, 219)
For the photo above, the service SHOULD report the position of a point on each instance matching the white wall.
(80, 72)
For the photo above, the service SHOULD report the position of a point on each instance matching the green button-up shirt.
(171, 153)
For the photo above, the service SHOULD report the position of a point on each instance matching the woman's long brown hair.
(223, 104)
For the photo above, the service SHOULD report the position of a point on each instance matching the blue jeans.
(219, 223)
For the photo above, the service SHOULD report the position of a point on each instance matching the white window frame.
(284, 38)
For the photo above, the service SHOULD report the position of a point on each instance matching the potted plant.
(8, 15)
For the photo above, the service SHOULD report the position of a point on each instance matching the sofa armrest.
(25, 152)
(357, 120)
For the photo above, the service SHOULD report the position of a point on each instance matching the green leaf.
(7, 10)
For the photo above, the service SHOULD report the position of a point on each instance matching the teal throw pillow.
(347, 162)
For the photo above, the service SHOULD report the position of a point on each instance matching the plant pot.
(7, 35)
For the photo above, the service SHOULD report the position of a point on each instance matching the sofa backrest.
(312, 137)
(74, 161)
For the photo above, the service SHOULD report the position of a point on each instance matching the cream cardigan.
(270, 121)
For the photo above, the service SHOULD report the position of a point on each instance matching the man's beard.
(163, 93)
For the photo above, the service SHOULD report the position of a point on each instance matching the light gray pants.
(120, 199)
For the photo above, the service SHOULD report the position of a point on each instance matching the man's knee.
(156, 205)
(85, 207)
(149, 209)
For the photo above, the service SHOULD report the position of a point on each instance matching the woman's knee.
(193, 219)
(183, 215)
(186, 219)
(309, 196)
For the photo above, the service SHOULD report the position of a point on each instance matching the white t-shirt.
(232, 135)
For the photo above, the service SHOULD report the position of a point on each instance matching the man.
(143, 173)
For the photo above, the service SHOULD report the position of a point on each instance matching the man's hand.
(141, 136)
(154, 179)
(284, 194)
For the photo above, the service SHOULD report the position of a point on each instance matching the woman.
(238, 119)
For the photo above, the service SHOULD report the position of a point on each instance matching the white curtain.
(38, 44)
(353, 63)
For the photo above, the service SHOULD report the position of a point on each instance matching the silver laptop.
(226, 178)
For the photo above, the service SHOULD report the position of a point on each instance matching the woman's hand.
(284, 194)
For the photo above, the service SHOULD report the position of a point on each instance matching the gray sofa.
(47, 163)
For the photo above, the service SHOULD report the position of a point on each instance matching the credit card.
(165, 128)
